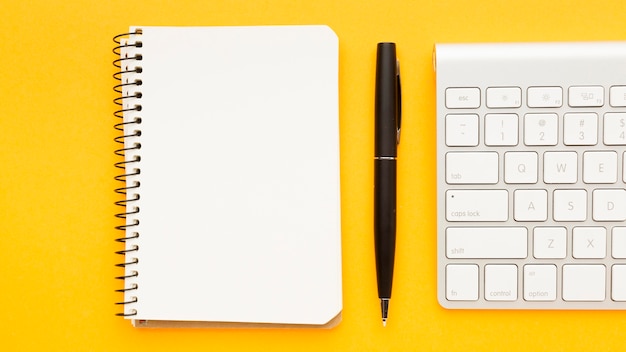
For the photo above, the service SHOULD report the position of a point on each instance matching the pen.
(387, 136)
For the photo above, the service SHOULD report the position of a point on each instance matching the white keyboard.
(531, 175)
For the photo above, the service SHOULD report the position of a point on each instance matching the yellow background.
(56, 178)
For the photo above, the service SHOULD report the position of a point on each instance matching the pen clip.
(398, 102)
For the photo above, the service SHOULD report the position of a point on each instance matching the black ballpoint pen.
(387, 137)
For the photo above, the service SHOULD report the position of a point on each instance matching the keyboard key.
(520, 167)
(545, 97)
(504, 97)
(618, 96)
(584, 282)
(541, 129)
(580, 129)
(540, 282)
(477, 205)
(501, 282)
(549, 242)
(530, 205)
(618, 243)
(570, 205)
(560, 167)
(589, 242)
(461, 98)
(586, 96)
(462, 282)
(615, 128)
(609, 205)
(618, 278)
(472, 168)
(486, 242)
(600, 167)
(462, 130)
(501, 129)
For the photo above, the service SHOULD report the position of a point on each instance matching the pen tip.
(384, 306)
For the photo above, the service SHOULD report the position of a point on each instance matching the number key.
(615, 128)
(580, 129)
(540, 129)
(501, 129)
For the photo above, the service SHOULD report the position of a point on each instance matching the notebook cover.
(239, 209)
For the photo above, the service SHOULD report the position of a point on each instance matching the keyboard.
(531, 175)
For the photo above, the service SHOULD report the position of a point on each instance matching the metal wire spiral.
(129, 128)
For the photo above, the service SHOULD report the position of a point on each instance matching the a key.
(618, 278)
(570, 205)
(615, 128)
(609, 205)
(486, 242)
(560, 167)
(504, 97)
(462, 130)
(501, 129)
(530, 205)
(462, 282)
(589, 242)
(459, 98)
(586, 96)
(618, 243)
(617, 96)
(501, 282)
(549, 242)
(545, 97)
(600, 167)
(472, 168)
(477, 205)
(520, 167)
(541, 129)
(584, 282)
(540, 282)
(580, 129)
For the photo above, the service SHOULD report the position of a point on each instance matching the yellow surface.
(56, 183)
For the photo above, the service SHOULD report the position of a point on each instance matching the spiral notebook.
(229, 171)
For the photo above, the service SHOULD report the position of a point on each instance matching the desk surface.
(56, 193)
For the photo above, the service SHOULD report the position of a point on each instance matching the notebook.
(229, 162)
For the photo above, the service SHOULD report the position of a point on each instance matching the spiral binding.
(127, 49)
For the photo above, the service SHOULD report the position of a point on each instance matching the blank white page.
(240, 201)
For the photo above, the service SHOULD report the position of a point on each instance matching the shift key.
(477, 205)
(486, 242)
